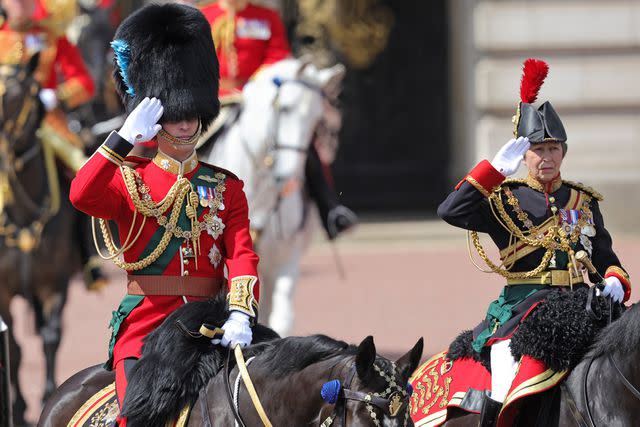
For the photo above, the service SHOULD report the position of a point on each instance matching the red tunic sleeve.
(241, 259)
(98, 188)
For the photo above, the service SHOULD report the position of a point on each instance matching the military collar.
(174, 166)
(550, 187)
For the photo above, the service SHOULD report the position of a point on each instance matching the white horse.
(267, 146)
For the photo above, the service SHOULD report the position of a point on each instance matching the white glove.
(236, 330)
(613, 288)
(48, 98)
(509, 157)
(141, 125)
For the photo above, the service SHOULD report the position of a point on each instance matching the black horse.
(601, 391)
(36, 222)
(291, 376)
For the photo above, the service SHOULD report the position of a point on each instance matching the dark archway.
(394, 141)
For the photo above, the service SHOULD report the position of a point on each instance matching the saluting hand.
(142, 124)
(508, 159)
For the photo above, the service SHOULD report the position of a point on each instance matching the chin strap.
(179, 141)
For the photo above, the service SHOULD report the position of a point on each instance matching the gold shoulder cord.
(547, 241)
(147, 208)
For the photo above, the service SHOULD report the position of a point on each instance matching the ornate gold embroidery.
(585, 188)
(241, 296)
(617, 270)
(174, 166)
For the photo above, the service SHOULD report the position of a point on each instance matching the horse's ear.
(365, 357)
(33, 63)
(331, 80)
(409, 362)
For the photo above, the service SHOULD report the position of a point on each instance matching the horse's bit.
(390, 401)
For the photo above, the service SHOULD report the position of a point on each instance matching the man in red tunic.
(28, 27)
(180, 221)
(249, 37)
(31, 27)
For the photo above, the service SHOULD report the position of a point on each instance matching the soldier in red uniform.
(249, 37)
(28, 27)
(179, 220)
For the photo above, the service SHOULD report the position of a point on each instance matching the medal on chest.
(215, 256)
(572, 219)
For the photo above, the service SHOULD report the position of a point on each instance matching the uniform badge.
(187, 252)
(214, 225)
(257, 29)
(586, 243)
(215, 256)
(588, 230)
(207, 178)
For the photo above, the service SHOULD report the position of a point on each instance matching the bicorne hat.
(537, 124)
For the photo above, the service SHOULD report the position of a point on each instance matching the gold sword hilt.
(583, 258)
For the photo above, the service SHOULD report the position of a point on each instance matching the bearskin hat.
(166, 51)
(537, 124)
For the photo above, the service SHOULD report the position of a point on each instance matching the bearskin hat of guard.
(538, 124)
(166, 51)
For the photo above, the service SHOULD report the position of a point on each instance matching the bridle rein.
(391, 401)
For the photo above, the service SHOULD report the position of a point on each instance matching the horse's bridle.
(391, 401)
(274, 144)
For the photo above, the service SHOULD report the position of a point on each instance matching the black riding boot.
(489, 412)
(336, 218)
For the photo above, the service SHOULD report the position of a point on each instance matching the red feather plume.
(534, 71)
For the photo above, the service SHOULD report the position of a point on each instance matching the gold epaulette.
(580, 186)
(520, 181)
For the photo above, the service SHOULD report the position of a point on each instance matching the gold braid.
(553, 239)
(175, 196)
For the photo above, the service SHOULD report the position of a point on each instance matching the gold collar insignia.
(174, 166)
(551, 187)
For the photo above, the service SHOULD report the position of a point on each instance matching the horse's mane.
(621, 336)
(293, 354)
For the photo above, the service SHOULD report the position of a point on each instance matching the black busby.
(537, 124)
(166, 51)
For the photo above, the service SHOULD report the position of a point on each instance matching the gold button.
(186, 273)
(552, 199)
(554, 209)
(185, 262)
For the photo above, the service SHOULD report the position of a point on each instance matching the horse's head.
(373, 390)
(282, 107)
(20, 107)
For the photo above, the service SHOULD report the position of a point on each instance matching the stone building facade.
(593, 50)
